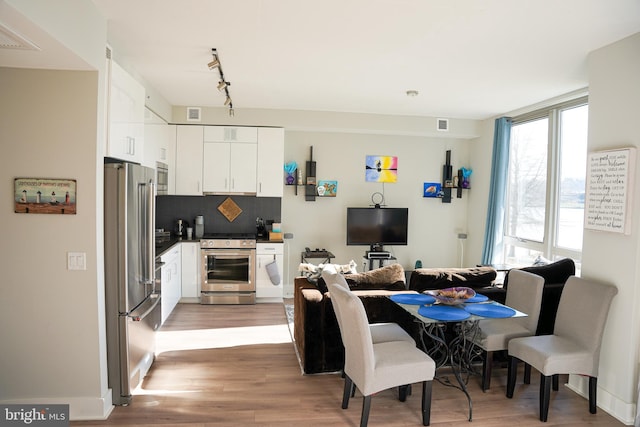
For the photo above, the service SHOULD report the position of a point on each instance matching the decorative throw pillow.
(390, 277)
(313, 273)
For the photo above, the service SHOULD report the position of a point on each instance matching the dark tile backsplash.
(169, 209)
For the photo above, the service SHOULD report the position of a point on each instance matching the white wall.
(52, 318)
(433, 225)
(480, 153)
(614, 112)
(341, 141)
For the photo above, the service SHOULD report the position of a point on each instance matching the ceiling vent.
(9, 39)
(442, 125)
(193, 114)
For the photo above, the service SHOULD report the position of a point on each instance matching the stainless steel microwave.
(162, 179)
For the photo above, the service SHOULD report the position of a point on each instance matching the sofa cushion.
(556, 272)
(390, 277)
(555, 275)
(440, 278)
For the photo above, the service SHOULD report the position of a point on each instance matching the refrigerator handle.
(138, 318)
(149, 234)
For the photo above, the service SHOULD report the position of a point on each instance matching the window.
(546, 184)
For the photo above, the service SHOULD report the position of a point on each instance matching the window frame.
(548, 248)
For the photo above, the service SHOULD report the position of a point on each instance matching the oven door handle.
(227, 256)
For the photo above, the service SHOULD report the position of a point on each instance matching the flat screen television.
(376, 227)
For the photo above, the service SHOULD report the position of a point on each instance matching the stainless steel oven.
(228, 270)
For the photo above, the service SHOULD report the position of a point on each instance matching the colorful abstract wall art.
(381, 169)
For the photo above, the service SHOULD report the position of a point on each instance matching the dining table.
(451, 329)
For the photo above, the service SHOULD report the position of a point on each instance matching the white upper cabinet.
(230, 159)
(189, 160)
(227, 160)
(126, 116)
(270, 162)
(230, 134)
(157, 139)
(171, 159)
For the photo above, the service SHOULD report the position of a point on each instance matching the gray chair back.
(582, 314)
(356, 334)
(332, 279)
(525, 295)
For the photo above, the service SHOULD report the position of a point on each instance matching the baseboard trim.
(614, 406)
(80, 408)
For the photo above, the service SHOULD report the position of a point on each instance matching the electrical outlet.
(76, 261)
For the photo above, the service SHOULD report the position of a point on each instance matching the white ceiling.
(467, 58)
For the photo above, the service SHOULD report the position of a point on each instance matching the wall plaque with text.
(610, 176)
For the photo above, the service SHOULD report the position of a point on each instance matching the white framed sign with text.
(610, 176)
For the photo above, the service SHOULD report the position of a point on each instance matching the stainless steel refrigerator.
(132, 293)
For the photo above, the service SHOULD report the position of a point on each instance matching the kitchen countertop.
(163, 247)
(269, 241)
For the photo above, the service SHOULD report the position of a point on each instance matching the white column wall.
(614, 112)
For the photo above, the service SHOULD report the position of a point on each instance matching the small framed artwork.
(432, 189)
(45, 196)
(381, 169)
(327, 188)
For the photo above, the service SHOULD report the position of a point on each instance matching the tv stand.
(380, 256)
(376, 247)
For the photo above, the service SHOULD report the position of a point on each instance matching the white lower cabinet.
(266, 290)
(190, 272)
(171, 290)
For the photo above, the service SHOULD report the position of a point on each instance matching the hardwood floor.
(236, 366)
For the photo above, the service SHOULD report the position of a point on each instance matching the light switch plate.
(76, 261)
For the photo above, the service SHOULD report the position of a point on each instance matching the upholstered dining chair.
(380, 332)
(376, 367)
(574, 347)
(525, 295)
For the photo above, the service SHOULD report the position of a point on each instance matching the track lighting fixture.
(223, 84)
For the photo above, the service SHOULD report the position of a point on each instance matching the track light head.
(227, 101)
(222, 85)
(214, 64)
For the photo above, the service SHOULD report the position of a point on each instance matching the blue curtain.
(497, 191)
